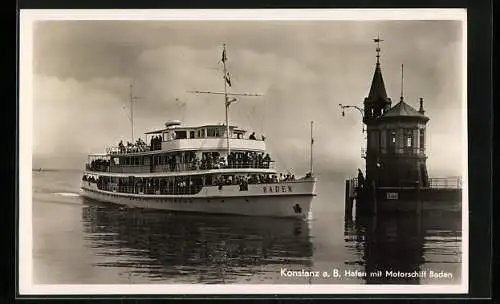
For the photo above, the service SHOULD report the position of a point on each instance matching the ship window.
(191, 134)
(180, 135)
(211, 132)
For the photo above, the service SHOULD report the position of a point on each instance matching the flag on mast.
(228, 79)
(224, 58)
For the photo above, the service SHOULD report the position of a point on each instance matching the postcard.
(313, 151)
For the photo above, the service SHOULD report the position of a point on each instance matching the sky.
(303, 69)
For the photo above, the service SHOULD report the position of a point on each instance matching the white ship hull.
(257, 201)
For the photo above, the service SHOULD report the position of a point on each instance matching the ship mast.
(227, 102)
(132, 99)
(312, 143)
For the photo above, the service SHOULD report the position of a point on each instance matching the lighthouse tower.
(395, 152)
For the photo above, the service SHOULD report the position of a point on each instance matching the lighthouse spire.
(402, 83)
(377, 89)
(377, 41)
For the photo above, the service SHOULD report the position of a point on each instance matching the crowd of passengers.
(252, 179)
(139, 146)
(185, 185)
(235, 160)
(161, 186)
(101, 165)
(209, 160)
(90, 179)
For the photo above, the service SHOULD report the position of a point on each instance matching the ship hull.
(285, 205)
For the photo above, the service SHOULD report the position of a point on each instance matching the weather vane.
(377, 41)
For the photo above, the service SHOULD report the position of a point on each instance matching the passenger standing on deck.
(361, 179)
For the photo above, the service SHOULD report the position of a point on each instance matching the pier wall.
(405, 199)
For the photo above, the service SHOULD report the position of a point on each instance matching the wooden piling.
(374, 198)
(348, 199)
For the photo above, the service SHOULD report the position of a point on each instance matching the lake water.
(76, 241)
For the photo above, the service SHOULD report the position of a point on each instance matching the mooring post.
(419, 202)
(374, 196)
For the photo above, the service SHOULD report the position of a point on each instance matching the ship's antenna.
(227, 101)
(312, 143)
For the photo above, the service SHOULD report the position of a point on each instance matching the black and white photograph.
(243, 151)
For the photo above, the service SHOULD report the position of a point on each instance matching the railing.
(131, 169)
(128, 149)
(403, 151)
(178, 167)
(445, 182)
(396, 151)
(215, 143)
(97, 168)
(190, 166)
(217, 137)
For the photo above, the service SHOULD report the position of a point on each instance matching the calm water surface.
(76, 241)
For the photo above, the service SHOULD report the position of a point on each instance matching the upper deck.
(176, 137)
(181, 149)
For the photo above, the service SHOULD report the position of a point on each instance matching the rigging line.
(222, 93)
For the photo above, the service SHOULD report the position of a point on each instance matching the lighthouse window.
(409, 138)
(191, 134)
(422, 138)
(393, 137)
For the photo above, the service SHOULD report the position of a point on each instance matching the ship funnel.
(171, 123)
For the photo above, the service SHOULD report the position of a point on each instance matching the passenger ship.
(213, 168)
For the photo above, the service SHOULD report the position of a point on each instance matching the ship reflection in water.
(406, 248)
(189, 248)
